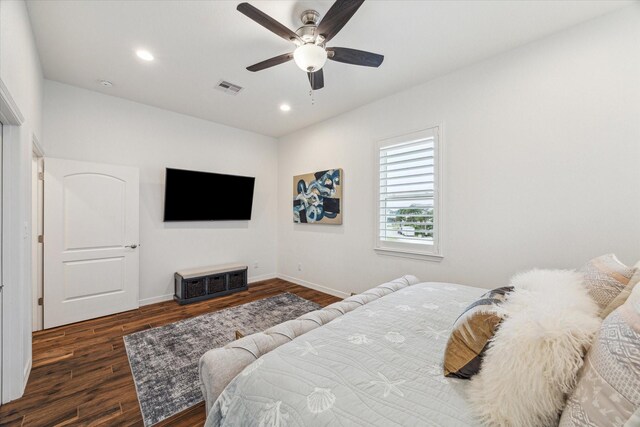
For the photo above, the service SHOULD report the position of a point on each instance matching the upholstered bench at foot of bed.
(219, 366)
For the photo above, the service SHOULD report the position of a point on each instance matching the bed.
(376, 363)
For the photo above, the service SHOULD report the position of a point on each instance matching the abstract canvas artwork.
(317, 197)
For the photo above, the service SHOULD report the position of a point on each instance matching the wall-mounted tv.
(204, 196)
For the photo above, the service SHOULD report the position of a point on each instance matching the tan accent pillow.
(622, 296)
(605, 277)
(634, 297)
(471, 334)
(608, 390)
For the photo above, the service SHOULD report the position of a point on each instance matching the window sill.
(407, 253)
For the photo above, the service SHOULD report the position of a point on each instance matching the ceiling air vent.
(229, 88)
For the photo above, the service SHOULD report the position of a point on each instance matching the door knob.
(133, 246)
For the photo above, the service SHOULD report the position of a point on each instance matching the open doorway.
(37, 239)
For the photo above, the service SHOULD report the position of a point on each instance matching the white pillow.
(533, 359)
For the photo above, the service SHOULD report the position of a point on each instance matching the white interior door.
(90, 240)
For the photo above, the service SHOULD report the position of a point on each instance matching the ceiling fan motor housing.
(309, 30)
(310, 17)
(307, 33)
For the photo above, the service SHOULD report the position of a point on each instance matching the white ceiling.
(197, 43)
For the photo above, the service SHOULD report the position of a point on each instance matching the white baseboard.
(326, 290)
(262, 277)
(154, 300)
(169, 297)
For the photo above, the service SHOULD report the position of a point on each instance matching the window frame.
(432, 252)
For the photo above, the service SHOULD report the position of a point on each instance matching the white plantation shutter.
(408, 193)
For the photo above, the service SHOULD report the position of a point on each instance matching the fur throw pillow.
(534, 357)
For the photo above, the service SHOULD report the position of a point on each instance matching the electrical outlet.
(299, 266)
(256, 265)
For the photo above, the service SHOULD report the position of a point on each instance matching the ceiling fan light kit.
(311, 54)
(310, 57)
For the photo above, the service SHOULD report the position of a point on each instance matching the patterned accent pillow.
(605, 277)
(634, 297)
(622, 296)
(471, 333)
(608, 389)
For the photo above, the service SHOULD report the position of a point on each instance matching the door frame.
(12, 371)
(37, 254)
(1, 245)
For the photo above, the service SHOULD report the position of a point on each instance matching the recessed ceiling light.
(105, 83)
(145, 55)
(285, 107)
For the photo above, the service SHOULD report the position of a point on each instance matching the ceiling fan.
(311, 53)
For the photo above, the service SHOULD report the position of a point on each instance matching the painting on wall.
(317, 197)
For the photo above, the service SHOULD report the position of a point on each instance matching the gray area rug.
(164, 360)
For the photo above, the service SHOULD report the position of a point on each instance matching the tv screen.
(204, 196)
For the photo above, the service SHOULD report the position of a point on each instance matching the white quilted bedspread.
(379, 365)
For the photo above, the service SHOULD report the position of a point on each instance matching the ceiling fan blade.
(337, 16)
(276, 60)
(268, 22)
(354, 56)
(316, 79)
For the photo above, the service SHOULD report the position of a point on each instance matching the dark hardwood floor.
(81, 374)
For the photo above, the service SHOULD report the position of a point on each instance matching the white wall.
(85, 125)
(541, 165)
(21, 77)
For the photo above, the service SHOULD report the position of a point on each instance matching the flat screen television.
(204, 196)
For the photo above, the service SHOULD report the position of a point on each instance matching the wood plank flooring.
(81, 374)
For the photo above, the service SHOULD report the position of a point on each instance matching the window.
(408, 195)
